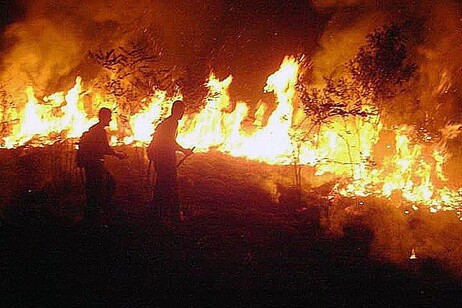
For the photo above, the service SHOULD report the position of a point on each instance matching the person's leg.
(165, 197)
(93, 188)
(107, 194)
(165, 193)
(172, 202)
(160, 195)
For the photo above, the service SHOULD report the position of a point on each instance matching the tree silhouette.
(381, 68)
(376, 74)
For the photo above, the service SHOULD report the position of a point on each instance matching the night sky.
(10, 11)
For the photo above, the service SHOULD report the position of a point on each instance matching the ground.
(237, 247)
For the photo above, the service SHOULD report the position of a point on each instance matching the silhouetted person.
(99, 182)
(164, 147)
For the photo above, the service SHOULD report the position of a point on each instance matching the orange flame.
(345, 147)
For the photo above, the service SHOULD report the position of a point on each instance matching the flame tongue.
(343, 147)
(214, 128)
(59, 114)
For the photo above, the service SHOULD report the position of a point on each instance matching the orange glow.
(344, 147)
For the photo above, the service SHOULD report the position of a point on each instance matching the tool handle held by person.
(183, 159)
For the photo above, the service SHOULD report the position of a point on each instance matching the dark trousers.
(99, 189)
(166, 190)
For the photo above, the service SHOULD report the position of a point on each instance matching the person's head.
(104, 116)
(178, 109)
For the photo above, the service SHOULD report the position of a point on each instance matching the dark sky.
(10, 10)
(256, 35)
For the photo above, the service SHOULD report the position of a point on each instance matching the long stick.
(183, 159)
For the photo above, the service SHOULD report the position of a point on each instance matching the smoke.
(42, 54)
(246, 39)
(47, 47)
(440, 60)
(339, 42)
(48, 44)
(330, 4)
(53, 40)
(432, 36)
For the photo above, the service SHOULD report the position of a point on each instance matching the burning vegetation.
(377, 123)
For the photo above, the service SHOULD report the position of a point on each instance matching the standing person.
(163, 149)
(99, 182)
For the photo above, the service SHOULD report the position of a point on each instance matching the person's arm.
(108, 150)
(185, 151)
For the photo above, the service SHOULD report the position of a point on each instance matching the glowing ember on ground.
(413, 256)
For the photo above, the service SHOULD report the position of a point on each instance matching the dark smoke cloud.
(10, 11)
